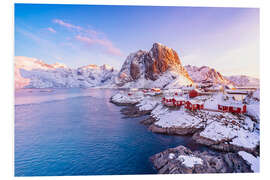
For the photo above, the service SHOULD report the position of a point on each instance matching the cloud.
(103, 42)
(67, 25)
(51, 30)
(91, 37)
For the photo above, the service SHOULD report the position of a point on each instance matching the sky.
(226, 39)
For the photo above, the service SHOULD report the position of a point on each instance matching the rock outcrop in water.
(181, 160)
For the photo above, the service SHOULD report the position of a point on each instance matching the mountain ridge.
(34, 73)
(159, 67)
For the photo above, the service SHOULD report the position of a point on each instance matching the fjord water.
(79, 132)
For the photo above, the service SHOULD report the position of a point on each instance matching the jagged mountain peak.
(149, 66)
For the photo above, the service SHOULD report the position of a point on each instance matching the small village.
(221, 118)
(193, 98)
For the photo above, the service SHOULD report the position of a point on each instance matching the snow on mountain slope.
(33, 73)
(206, 74)
(28, 63)
(160, 67)
(245, 81)
(19, 81)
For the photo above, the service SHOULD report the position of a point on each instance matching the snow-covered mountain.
(206, 74)
(33, 73)
(159, 67)
(243, 80)
(210, 75)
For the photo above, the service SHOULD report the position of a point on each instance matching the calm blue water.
(79, 132)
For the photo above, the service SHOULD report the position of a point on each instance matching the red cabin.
(180, 103)
(188, 105)
(244, 109)
(197, 106)
(193, 105)
(193, 93)
(232, 109)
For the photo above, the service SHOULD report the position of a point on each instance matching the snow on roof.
(177, 98)
(195, 101)
(231, 103)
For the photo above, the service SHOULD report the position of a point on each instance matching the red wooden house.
(233, 108)
(168, 101)
(194, 105)
(193, 93)
(179, 101)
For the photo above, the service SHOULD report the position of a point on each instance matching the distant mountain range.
(160, 67)
(33, 73)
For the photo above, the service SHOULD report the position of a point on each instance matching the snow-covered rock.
(230, 131)
(190, 161)
(178, 122)
(148, 103)
(179, 118)
(160, 67)
(181, 160)
(254, 162)
(124, 98)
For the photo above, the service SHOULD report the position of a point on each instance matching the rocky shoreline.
(181, 160)
(199, 126)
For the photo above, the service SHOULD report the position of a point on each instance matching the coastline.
(225, 148)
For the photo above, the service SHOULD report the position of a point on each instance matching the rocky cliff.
(159, 67)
